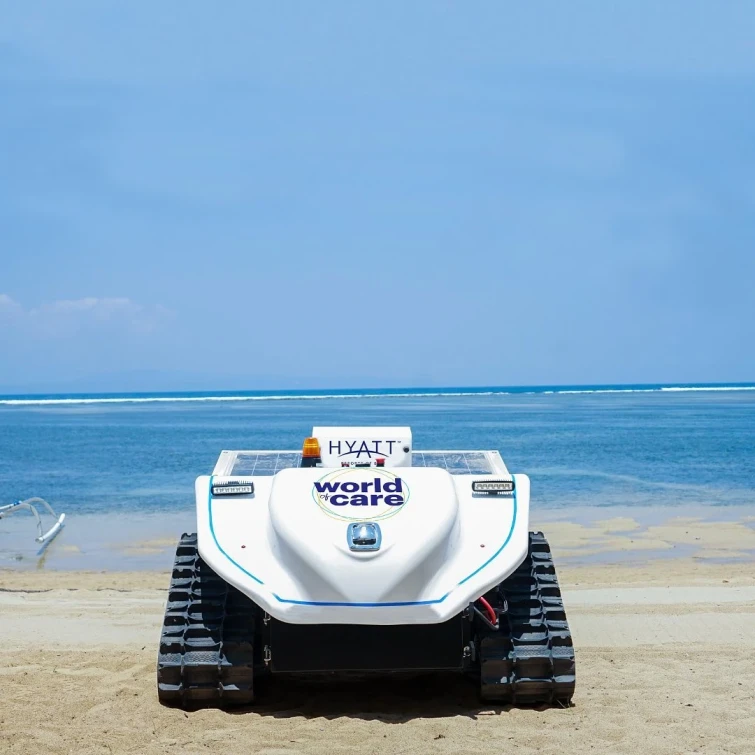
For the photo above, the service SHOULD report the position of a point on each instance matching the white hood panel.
(286, 545)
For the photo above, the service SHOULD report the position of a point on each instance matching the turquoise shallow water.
(613, 447)
(596, 447)
(581, 447)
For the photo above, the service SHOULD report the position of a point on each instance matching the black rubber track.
(530, 659)
(207, 656)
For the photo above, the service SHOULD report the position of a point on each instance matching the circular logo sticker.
(354, 495)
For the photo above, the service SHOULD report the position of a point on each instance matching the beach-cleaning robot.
(360, 555)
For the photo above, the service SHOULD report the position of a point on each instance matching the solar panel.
(267, 463)
(264, 464)
(469, 462)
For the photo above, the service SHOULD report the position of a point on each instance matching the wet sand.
(120, 542)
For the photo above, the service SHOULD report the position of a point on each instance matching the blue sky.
(344, 194)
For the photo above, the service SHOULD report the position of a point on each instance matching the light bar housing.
(233, 487)
(310, 448)
(493, 487)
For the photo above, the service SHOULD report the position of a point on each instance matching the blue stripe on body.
(360, 605)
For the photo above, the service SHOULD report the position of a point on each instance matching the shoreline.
(587, 536)
(653, 573)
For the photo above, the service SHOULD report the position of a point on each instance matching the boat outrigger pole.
(29, 505)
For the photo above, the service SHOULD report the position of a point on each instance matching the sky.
(244, 195)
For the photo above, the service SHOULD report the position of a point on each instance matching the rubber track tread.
(530, 659)
(206, 656)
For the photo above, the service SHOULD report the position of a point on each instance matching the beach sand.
(665, 664)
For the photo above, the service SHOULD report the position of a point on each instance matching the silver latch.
(363, 536)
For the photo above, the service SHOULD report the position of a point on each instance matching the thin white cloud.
(99, 308)
(8, 305)
(69, 316)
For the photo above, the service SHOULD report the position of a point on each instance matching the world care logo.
(354, 495)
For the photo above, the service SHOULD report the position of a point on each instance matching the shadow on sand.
(384, 699)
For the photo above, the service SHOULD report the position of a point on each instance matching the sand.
(665, 664)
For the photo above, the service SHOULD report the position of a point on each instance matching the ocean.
(133, 458)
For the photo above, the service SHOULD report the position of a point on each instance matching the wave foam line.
(322, 397)
(185, 399)
(663, 389)
(710, 388)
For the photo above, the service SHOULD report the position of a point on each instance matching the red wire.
(490, 611)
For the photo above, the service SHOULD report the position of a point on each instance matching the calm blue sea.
(592, 446)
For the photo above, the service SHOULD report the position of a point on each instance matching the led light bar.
(493, 487)
(242, 487)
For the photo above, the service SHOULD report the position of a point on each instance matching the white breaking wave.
(186, 399)
(322, 397)
(710, 388)
(701, 388)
